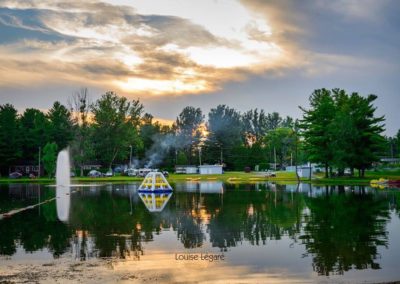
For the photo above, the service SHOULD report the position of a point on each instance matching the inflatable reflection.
(155, 202)
(63, 201)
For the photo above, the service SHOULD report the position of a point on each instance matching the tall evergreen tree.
(10, 143)
(342, 131)
(315, 128)
(368, 132)
(34, 129)
(61, 126)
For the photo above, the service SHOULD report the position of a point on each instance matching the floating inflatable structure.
(155, 182)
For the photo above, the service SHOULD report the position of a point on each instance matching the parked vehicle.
(270, 173)
(109, 174)
(94, 173)
(144, 172)
(15, 175)
(118, 169)
(132, 172)
(165, 173)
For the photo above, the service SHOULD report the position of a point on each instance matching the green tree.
(34, 133)
(82, 149)
(398, 143)
(148, 132)
(225, 133)
(188, 132)
(255, 126)
(281, 143)
(60, 127)
(49, 158)
(181, 158)
(368, 132)
(115, 127)
(10, 146)
(341, 130)
(315, 130)
(274, 120)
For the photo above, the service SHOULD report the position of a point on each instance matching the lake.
(259, 232)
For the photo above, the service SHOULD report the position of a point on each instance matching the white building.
(210, 169)
(185, 169)
(304, 172)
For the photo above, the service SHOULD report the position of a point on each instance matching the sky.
(170, 54)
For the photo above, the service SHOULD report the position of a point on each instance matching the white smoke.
(158, 151)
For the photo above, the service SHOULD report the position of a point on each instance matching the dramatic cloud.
(117, 47)
(170, 54)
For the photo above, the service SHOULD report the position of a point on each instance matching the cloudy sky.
(173, 53)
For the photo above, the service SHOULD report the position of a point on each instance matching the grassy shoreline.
(233, 177)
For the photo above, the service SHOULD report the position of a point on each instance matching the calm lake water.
(335, 233)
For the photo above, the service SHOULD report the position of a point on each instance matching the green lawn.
(233, 177)
(369, 175)
(226, 177)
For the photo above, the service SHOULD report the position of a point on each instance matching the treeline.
(341, 131)
(338, 131)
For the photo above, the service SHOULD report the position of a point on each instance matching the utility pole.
(221, 155)
(130, 157)
(275, 158)
(392, 150)
(39, 162)
(200, 156)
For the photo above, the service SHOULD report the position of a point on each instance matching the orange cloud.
(115, 47)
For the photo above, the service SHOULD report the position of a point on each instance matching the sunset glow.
(249, 53)
(147, 56)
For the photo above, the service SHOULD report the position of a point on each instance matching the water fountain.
(63, 185)
(63, 170)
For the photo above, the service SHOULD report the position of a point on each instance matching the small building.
(314, 167)
(304, 171)
(90, 167)
(392, 161)
(291, 169)
(185, 169)
(210, 169)
(27, 169)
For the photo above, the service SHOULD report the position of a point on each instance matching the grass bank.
(226, 177)
(232, 177)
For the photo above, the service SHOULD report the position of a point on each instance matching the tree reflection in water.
(343, 231)
(340, 228)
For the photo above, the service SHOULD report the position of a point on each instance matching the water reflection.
(339, 228)
(344, 231)
(202, 187)
(155, 202)
(63, 200)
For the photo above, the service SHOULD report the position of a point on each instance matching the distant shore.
(230, 177)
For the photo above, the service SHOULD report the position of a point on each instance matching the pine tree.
(315, 128)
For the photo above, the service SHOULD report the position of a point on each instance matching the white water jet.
(63, 171)
(63, 182)
(63, 201)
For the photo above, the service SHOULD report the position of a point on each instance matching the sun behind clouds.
(142, 48)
